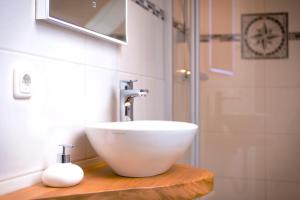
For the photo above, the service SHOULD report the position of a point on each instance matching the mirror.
(101, 18)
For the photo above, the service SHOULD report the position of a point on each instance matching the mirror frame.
(42, 13)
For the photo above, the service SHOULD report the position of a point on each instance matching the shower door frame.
(195, 79)
(194, 57)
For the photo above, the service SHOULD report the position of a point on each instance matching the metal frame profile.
(42, 13)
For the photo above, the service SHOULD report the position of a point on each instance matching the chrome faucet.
(127, 95)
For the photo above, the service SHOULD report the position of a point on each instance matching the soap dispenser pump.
(63, 173)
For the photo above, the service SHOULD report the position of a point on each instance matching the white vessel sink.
(141, 148)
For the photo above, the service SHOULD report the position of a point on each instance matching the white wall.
(76, 81)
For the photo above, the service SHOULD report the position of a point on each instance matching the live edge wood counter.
(180, 182)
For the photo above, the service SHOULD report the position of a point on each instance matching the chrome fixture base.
(127, 95)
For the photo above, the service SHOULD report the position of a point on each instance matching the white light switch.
(22, 83)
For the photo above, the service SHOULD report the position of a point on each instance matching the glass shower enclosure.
(236, 72)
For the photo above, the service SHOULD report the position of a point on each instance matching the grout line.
(8, 50)
(142, 75)
(240, 178)
(37, 56)
(244, 132)
(249, 87)
(85, 110)
(265, 133)
(220, 87)
(256, 179)
(272, 133)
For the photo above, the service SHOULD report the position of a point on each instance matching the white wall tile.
(101, 53)
(46, 120)
(237, 189)
(144, 52)
(76, 81)
(154, 48)
(221, 21)
(20, 123)
(282, 157)
(267, 88)
(131, 57)
(284, 72)
(290, 6)
(283, 190)
(153, 108)
(233, 155)
(232, 110)
(101, 95)
(246, 7)
(63, 106)
(245, 73)
(21, 32)
(282, 110)
(181, 101)
(101, 98)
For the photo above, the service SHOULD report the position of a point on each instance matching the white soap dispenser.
(63, 173)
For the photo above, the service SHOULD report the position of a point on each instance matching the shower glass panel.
(181, 65)
(250, 98)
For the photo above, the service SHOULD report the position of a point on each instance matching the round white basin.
(141, 148)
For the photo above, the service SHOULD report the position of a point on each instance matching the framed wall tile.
(264, 36)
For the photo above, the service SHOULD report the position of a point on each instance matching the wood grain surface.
(100, 182)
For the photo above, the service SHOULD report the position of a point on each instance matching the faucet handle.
(128, 81)
(128, 84)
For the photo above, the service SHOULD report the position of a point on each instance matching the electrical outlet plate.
(22, 83)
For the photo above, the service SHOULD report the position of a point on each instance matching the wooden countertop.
(180, 182)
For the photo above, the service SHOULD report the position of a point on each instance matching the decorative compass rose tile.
(265, 36)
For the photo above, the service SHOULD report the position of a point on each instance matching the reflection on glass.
(105, 17)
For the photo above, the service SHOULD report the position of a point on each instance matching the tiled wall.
(250, 119)
(76, 81)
